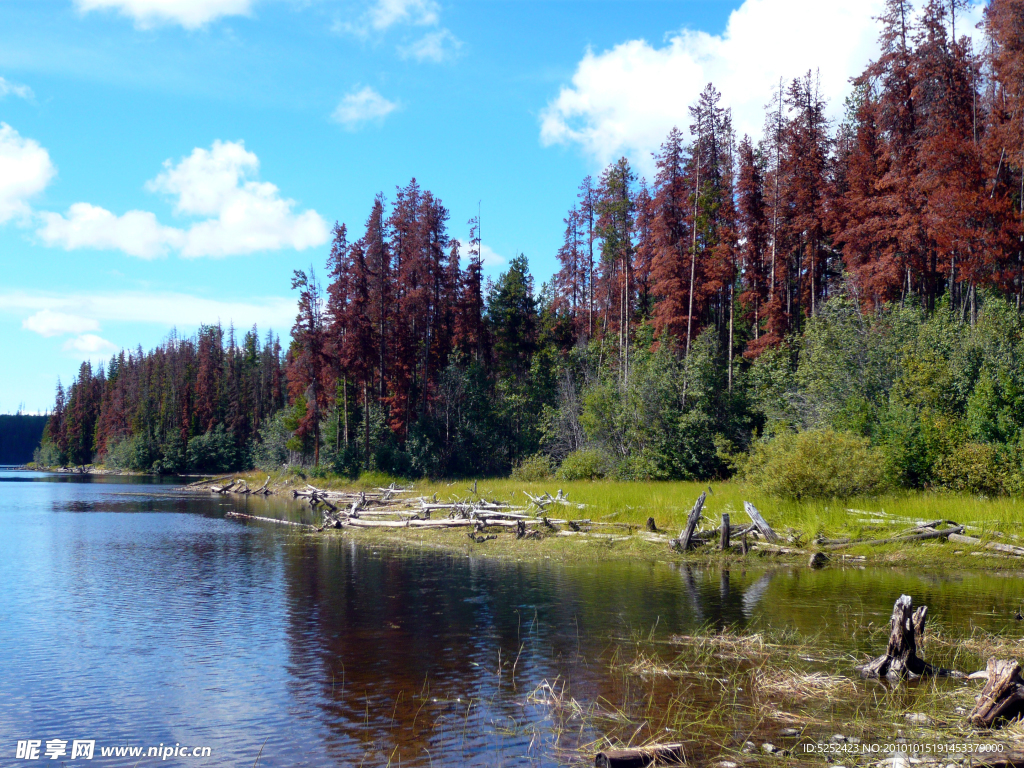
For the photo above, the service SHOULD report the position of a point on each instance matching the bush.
(49, 455)
(973, 468)
(136, 453)
(215, 452)
(271, 450)
(532, 468)
(816, 464)
(584, 464)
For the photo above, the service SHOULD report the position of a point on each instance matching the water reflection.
(138, 614)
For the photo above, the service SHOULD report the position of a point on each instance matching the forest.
(19, 435)
(839, 294)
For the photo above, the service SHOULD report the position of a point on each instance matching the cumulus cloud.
(25, 171)
(169, 309)
(362, 106)
(434, 46)
(90, 344)
(7, 88)
(238, 214)
(190, 14)
(47, 322)
(137, 233)
(623, 101)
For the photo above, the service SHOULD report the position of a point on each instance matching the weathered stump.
(683, 542)
(760, 523)
(1002, 698)
(723, 541)
(656, 754)
(900, 660)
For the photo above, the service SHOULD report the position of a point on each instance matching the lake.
(135, 615)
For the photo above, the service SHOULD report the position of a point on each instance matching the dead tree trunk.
(900, 660)
(760, 523)
(683, 542)
(1002, 698)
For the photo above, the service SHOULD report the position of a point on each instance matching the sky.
(168, 163)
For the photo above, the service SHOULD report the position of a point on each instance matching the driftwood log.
(1002, 698)
(656, 754)
(683, 542)
(921, 533)
(760, 523)
(900, 660)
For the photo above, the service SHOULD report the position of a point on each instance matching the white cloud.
(136, 233)
(433, 46)
(25, 171)
(625, 100)
(387, 13)
(490, 258)
(166, 309)
(384, 14)
(90, 344)
(242, 215)
(190, 14)
(47, 322)
(361, 106)
(7, 88)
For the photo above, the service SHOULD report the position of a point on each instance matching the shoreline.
(578, 534)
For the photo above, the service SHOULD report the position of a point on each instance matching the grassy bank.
(668, 503)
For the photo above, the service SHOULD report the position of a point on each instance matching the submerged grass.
(769, 698)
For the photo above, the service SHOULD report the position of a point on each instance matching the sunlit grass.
(628, 505)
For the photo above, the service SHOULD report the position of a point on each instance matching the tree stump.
(683, 542)
(1002, 698)
(900, 660)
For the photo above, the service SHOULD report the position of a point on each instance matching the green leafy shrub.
(585, 464)
(533, 468)
(973, 468)
(216, 451)
(271, 450)
(49, 455)
(819, 463)
(136, 453)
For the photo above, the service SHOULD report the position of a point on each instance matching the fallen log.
(224, 488)
(263, 489)
(269, 520)
(683, 542)
(993, 545)
(923, 536)
(207, 481)
(1002, 698)
(775, 549)
(900, 660)
(639, 757)
(760, 523)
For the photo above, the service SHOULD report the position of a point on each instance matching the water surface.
(134, 613)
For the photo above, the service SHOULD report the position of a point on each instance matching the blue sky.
(170, 162)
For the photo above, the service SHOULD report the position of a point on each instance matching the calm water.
(134, 614)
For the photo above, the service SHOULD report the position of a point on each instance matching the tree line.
(191, 404)
(678, 302)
